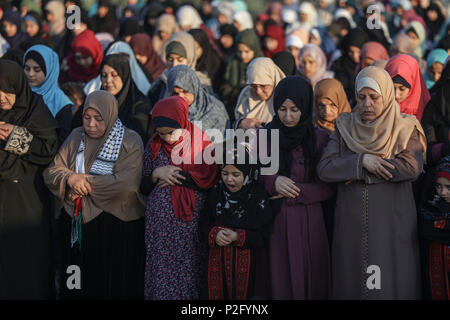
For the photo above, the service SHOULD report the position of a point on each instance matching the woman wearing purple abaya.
(299, 254)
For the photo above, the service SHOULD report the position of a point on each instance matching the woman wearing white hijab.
(308, 16)
(242, 20)
(136, 72)
(188, 18)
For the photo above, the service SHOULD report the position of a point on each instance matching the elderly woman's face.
(308, 65)
(93, 123)
(7, 100)
(187, 96)
(261, 91)
(327, 110)
(289, 113)
(369, 104)
(111, 80)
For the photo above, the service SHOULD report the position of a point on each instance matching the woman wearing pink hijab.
(411, 91)
(371, 52)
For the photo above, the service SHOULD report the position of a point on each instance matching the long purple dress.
(174, 253)
(299, 251)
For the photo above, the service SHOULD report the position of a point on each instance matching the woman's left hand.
(5, 130)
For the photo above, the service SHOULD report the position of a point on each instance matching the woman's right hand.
(167, 176)
(79, 184)
(286, 187)
(377, 166)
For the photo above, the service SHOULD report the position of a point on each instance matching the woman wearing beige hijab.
(96, 177)
(179, 49)
(255, 103)
(374, 155)
(165, 27)
(330, 101)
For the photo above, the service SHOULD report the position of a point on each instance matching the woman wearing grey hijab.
(204, 107)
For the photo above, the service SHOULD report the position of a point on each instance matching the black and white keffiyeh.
(108, 155)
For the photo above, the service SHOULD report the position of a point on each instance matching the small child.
(236, 225)
(435, 229)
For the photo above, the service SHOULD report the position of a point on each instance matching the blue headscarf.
(437, 55)
(53, 96)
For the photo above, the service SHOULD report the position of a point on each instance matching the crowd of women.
(93, 205)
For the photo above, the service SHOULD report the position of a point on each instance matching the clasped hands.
(79, 186)
(377, 166)
(167, 176)
(5, 130)
(226, 236)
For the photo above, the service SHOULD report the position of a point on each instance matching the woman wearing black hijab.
(344, 67)
(105, 20)
(299, 254)
(134, 107)
(434, 20)
(227, 45)
(12, 28)
(28, 143)
(286, 62)
(208, 60)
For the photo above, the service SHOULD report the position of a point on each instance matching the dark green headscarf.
(236, 70)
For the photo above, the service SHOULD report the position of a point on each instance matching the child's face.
(232, 177)
(443, 188)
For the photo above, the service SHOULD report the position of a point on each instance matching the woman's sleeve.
(334, 167)
(256, 238)
(25, 148)
(311, 193)
(207, 229)
(408, 163)
(58, 172)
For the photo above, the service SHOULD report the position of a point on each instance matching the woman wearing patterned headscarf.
(204, 107)
(96, 176)
(180, 49)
